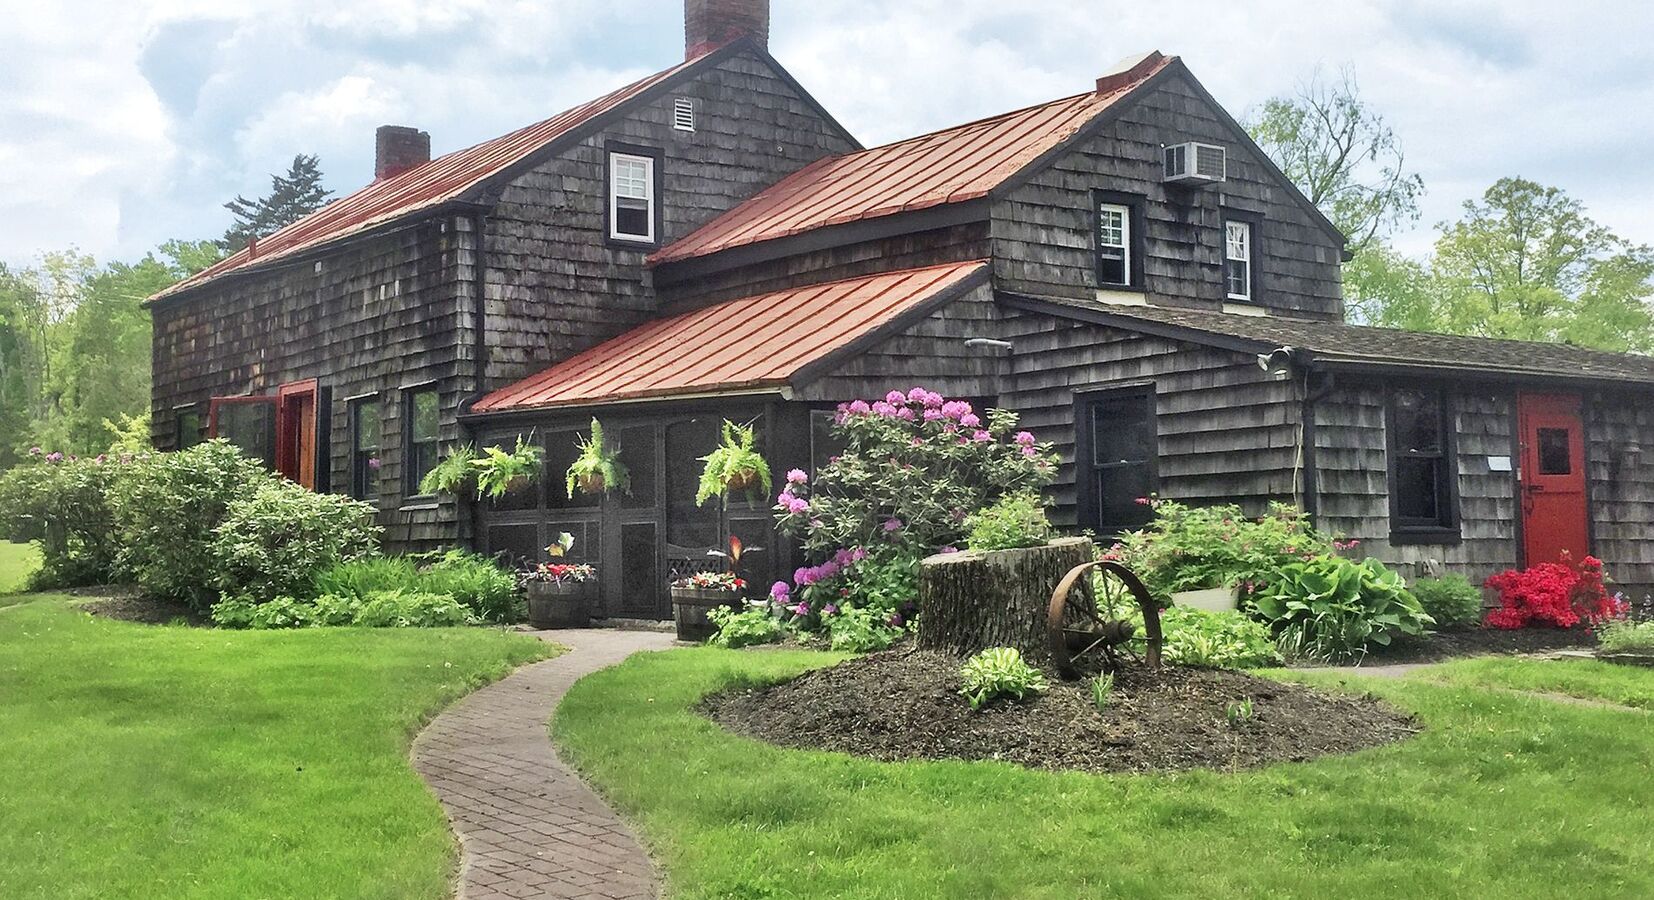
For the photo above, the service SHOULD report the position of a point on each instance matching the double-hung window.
(1113, 245)
(1423, 471)
(422, 424)
(632, 197)
(364, 447)
(1237, 259)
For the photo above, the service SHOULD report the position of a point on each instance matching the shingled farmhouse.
(1123, 267)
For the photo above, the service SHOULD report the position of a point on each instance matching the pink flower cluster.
(790, 503)
(917, 404)
(838, 565)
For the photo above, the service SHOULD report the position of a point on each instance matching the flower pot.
(554, 605)
(1223, 599)
(591, 484)
(742, 480)
(690, 607)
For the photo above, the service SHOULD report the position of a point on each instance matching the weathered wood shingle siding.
(958, 243)
(369, 319)
(1622, 488)
(1352, 479)
(930, 353)
(1042, 229)
(556, 285)
(1227, 432)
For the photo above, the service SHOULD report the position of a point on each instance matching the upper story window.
(632, 200)
(1423, 471)
(1118, 242)
(1237, 259)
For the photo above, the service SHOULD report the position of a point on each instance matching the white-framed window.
(1237, 259)
(631, 197)
(683, 114)
(1113, 245)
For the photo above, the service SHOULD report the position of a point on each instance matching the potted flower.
(734, 466)
(559, 593)
(693, 596)
(598, 467)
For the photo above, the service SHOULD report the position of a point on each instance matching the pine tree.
(292, 197)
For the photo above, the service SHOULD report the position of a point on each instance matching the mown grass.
(144, 761)
(1502, 795)
(16, 562)
(1584, 678)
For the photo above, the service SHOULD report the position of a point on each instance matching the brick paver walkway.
(528, 826)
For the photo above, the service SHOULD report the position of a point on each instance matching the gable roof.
(954, 165)
(768, 341)
(1361, 346)
(462, 175)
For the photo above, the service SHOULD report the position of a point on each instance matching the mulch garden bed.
(1455, 644)
(124, 602)
(905, 704)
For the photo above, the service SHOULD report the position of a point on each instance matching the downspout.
(1306, 437)
(479, 350)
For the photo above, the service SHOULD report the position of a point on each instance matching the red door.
(1552, 477)
(296, 432)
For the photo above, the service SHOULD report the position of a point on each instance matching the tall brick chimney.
(398, 148)
(709, 24)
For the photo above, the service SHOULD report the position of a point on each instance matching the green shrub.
(272, 543)
(360, 577)
(1451, 600)
(744, 628)
(404, 609)
(1623, 636)
(1015, 520)
(166, 508)
(476, 583)
(860, 630)
(1216, 640)
(998, 673)
(1195, 548)
(1333, 608)
(284, 612)
(62, 505)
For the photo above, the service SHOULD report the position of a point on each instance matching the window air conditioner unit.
(1194, 164)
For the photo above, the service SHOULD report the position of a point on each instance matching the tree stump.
(971, 601)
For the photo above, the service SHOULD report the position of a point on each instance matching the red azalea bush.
(1554, 595)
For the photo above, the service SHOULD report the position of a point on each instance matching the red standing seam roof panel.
(752, 342)
(426, 185)
(949, 166)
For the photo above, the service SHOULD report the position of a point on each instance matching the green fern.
(599, 460)
(451, 472)
(733, 462)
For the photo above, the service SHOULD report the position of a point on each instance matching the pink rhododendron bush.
(916, 466)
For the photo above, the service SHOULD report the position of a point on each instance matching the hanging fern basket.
(743, 480)
(592, 484)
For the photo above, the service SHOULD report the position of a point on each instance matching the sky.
(124, 123)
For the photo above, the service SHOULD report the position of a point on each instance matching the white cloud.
(124, 123)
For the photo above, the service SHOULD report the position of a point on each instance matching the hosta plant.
(1334, 608)
(998, 673)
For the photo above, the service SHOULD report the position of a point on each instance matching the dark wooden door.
(1552, 478)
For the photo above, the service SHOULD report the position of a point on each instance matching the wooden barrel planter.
(565, 605)
(690, 607)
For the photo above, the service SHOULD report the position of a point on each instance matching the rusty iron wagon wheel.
(1080, 622)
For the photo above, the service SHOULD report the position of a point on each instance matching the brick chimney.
(709, 24)
(398, 148)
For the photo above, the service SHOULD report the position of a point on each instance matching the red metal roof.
(430, 184)
(753, 342)
(950, 166)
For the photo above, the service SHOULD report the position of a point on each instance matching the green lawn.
(16, 562)
(1588, 679)
(1502, 795)
(140, 761)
